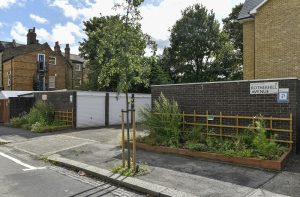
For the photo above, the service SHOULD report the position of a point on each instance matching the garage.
(90, 109)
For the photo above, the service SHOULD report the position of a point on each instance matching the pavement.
(97, 151)
(22, 176)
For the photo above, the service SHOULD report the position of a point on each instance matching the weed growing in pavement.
(142, 169)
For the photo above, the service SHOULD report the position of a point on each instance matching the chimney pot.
(57, 47)
(67, 52)
(31, 36)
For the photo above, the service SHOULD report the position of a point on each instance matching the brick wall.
(277, 41)
(24, 68)
(19, 106)
(60, 101)
(248, 55)
(232, 98)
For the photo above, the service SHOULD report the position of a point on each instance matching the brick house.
(34, 66)
(79, 68)
(271, 38)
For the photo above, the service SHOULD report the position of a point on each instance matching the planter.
(250, 162)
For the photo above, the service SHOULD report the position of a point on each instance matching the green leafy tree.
(119, 54)
(226, 65)
(194, 39)
(235, 31)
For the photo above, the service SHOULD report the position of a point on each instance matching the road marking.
(27, 166)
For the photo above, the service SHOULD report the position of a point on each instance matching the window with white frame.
(51, 82)
(52, 60)
(41, 61)
(78, 67)
(9, 78)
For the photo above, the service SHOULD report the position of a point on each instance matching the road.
(23, 176)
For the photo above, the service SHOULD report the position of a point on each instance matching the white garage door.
(90, 109)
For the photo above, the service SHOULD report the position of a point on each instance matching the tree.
(194, 39)
(106, 39)
(226, 65)
(235, 31)
(119, 52)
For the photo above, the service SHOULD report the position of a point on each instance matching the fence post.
(132, 107)
(237, 124)
(207, 121)
(123, 140)
(183, 121)
(107, 110)
(291, 129)
(195, 119)
(221, 125)
(133, 142)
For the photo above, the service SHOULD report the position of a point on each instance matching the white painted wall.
(91, 108)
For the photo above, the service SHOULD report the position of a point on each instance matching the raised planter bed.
(250, 162)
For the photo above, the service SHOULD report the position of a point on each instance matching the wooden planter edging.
(251, 162)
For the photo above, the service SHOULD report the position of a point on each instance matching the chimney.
(67, 52)
(31, 36)
(14, 43)
(57, 47)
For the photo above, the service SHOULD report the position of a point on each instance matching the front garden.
(164, 128)
(39, 119)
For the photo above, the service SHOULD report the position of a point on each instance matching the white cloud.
(38, 19)
(92, 8)
(67, 33)
(43, 35)
(1, 24)
(6, 3)
(157, 19)
(19, 32)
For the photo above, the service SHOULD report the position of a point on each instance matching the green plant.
(41, 112)
(142, 169)
(163, 121)
(19, 121)
(196, 134)
(264, 147)
(195, 146)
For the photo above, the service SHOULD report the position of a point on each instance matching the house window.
(52, 82)
(52, 60)
(78, 82)
(41, 61)
(9, 78)
(78, 67)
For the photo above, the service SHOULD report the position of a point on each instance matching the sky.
(62, 20)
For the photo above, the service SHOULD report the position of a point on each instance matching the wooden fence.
(65, 116)
(230, 126)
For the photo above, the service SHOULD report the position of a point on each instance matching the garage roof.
(10, 94)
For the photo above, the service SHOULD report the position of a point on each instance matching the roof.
(10, 94)
(20, 50)
(249, 5)
(6, 45)
(76, 58)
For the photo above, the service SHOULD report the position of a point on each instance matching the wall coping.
(221, 82)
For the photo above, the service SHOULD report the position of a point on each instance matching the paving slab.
(264, 193)
(129, 182)
(106, 156)
(286, 183)
(48, 145)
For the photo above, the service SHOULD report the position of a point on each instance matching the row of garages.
(91, 109)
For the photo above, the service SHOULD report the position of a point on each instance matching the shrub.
(42, 113)
(163, 121)
(19, 121)
(264, 147)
